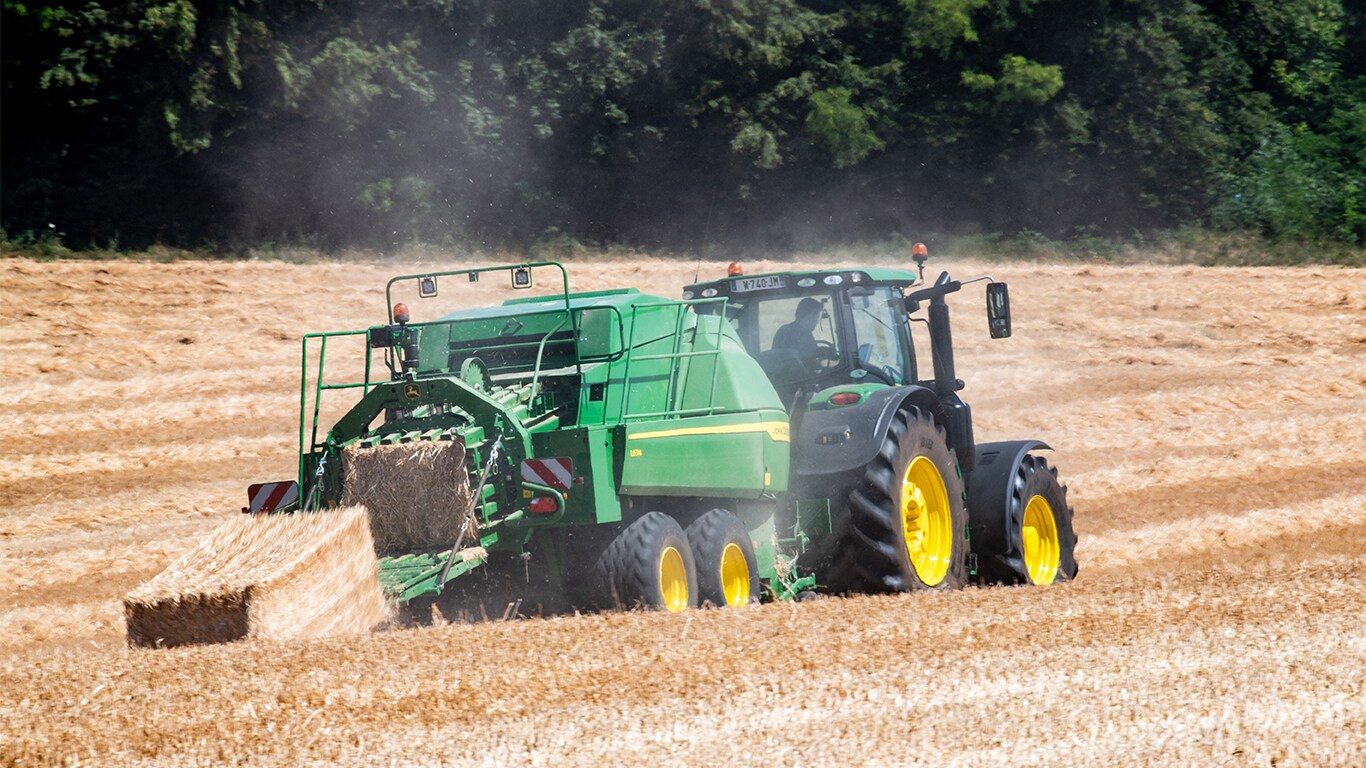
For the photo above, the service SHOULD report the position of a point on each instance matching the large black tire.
(650, 565)
(727, 569)
(1034, 483)
(879, 553)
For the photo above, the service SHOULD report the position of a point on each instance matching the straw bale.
(274, 576)
(418, 494)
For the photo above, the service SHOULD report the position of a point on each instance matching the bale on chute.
(418, 493)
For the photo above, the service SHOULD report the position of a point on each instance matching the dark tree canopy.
(672, 124)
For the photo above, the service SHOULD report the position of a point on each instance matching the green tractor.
(765, 437)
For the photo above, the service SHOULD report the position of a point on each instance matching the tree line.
(665, 123)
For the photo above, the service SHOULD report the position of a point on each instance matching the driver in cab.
(798, 335)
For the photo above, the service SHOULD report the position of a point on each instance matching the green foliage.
(841, 126)
(1021, 81)
(789, 123)
(1301, 184)
(940, 25)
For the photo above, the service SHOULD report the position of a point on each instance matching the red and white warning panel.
(268, 497)
(556, 473)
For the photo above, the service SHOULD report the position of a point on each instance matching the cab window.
(878, 329)
(792, 337)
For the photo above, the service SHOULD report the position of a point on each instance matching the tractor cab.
(810, 331)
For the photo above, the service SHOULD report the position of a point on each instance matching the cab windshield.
(878, 326)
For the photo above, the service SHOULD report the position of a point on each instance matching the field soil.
(1207, 421)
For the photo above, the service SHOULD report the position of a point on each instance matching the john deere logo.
(412, 391)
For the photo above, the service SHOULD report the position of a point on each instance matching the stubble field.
(1208, 421)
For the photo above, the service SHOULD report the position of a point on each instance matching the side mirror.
(998, 310)
(426, 287)
(521, 278)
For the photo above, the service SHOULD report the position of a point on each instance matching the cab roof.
(861, 276)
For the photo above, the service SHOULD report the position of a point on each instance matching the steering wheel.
(826, 354)
(873, 362)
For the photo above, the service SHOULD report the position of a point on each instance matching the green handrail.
(676, 354)
(564, 280)
(317, 396)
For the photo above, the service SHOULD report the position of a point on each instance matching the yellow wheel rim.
(734, 575)
(673, 580)
(1042, 552)
(926, 521)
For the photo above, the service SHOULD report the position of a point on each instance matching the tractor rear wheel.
(727, 569)
(1039, 540)
(907, 526)
(651, 565)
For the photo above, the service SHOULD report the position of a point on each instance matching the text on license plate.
(758, 283)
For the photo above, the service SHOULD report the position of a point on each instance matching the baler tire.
(913, 480)
(650, 564)
(1037, 500)
(721, 547)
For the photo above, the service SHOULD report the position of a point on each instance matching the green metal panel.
(757, 517)
(730, 380)
(600, 332)
(594, 500)
(601, 453)
(740, 455)
(813, 518)
(433, 343)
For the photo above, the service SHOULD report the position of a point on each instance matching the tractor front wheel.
(1040, 542)
(650, 564)
(727, 568)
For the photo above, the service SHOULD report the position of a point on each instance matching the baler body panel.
(743, 456)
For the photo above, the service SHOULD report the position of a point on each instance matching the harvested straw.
(276, 577)
(418, 494)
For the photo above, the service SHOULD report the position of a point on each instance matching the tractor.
(764, 437)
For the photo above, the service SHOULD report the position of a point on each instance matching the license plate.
(757, 283)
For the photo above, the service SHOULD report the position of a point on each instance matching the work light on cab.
(920, 254)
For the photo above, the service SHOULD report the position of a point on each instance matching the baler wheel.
(1040, 542)
(907, 522)
(651, 565)
(727, 568)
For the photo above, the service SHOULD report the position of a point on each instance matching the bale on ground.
(273, 576)
(418, 493)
